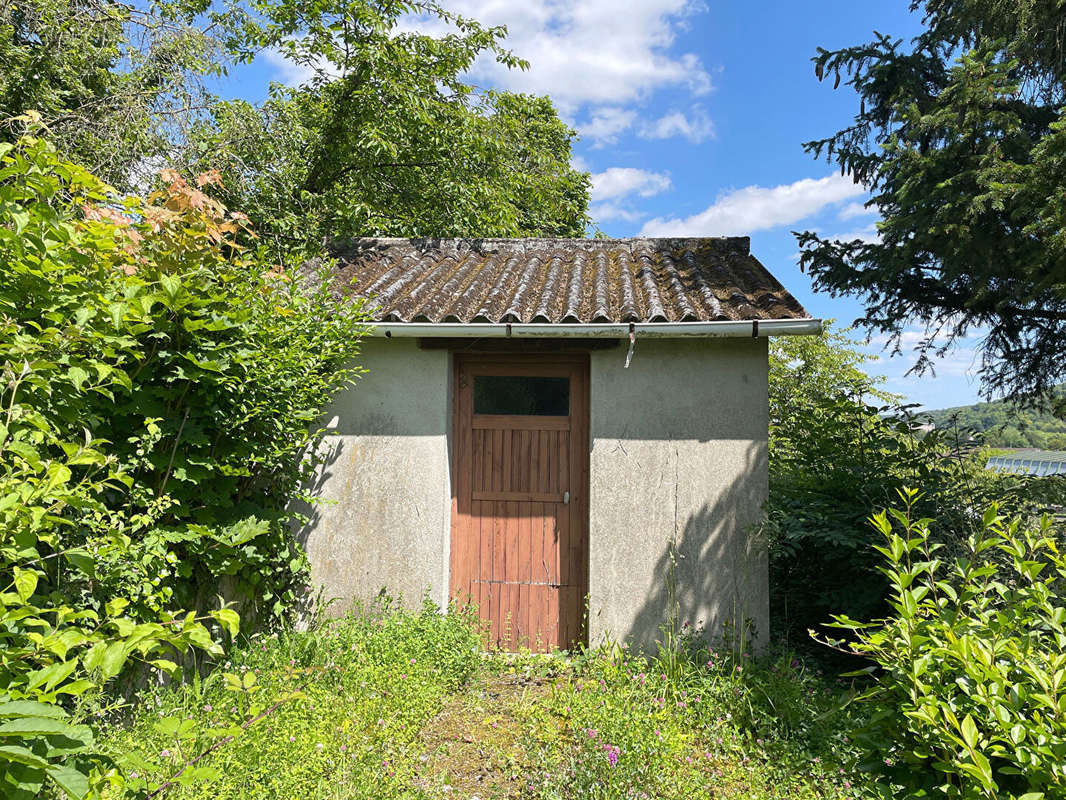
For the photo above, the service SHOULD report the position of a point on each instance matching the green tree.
(386, 138)
(961, 140)
(117, 85)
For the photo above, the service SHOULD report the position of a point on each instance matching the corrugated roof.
(563, 280)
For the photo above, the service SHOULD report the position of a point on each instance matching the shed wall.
(679, 475)
(386, 517)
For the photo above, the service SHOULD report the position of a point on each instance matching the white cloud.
(756, 208)
(293, 74)
(614, 185)
(869, 234)
(602, 212)
(605, 125)
(596, 59)
(592, 52)
(852, 210)
(695, 128)
(617, 182)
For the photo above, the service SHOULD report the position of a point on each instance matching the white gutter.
(479, 330)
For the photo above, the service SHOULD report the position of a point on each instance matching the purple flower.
(612, 754)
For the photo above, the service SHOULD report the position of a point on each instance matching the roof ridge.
(526, 241)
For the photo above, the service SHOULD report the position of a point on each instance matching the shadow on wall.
(327, 451)
(713, 573)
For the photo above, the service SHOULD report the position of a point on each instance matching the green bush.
(971, 665)
(196, 367)
(839, 446)
(159, 392)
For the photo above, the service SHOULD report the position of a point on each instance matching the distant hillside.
(1003, 425)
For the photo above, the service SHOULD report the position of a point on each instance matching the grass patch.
(402, 705)
(344, 704)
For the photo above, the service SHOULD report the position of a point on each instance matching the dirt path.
(478, 746)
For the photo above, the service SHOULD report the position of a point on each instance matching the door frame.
(580, 442)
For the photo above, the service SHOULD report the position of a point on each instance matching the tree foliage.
(1002, 424)
(384, 137)
(117, 85)
(961, 140)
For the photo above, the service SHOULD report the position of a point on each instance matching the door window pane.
(519, 394)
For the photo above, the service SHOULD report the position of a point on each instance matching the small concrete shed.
(570, 434)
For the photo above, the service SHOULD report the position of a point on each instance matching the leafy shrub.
(839, 446)
(971, 665)
(159, 389)
(202, 366)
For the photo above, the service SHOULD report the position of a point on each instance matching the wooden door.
(519, 544)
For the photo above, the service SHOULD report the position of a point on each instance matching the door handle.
(566, 498)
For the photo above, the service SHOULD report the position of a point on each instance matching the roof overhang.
(612, 330)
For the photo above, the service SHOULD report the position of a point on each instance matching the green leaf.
(21, 755)
(969, 731)
(38, 726)
(229, 619)
(51, 675)
(73, 783)
(114, 657)
(30, 708)
(25, 583)
(83, 561)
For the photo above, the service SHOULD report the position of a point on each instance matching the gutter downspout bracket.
(632, 344)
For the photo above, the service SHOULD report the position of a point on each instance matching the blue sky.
(692, 116)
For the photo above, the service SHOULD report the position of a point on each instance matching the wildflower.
(888, 762)
(613, 752)
(164, 754)
(344, 748)
(591, 732)
(207, 707)
(414, 661)
(135, 775)
(319, 746)
(292, 738)
(847, 784)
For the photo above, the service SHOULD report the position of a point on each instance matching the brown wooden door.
(519, 545)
